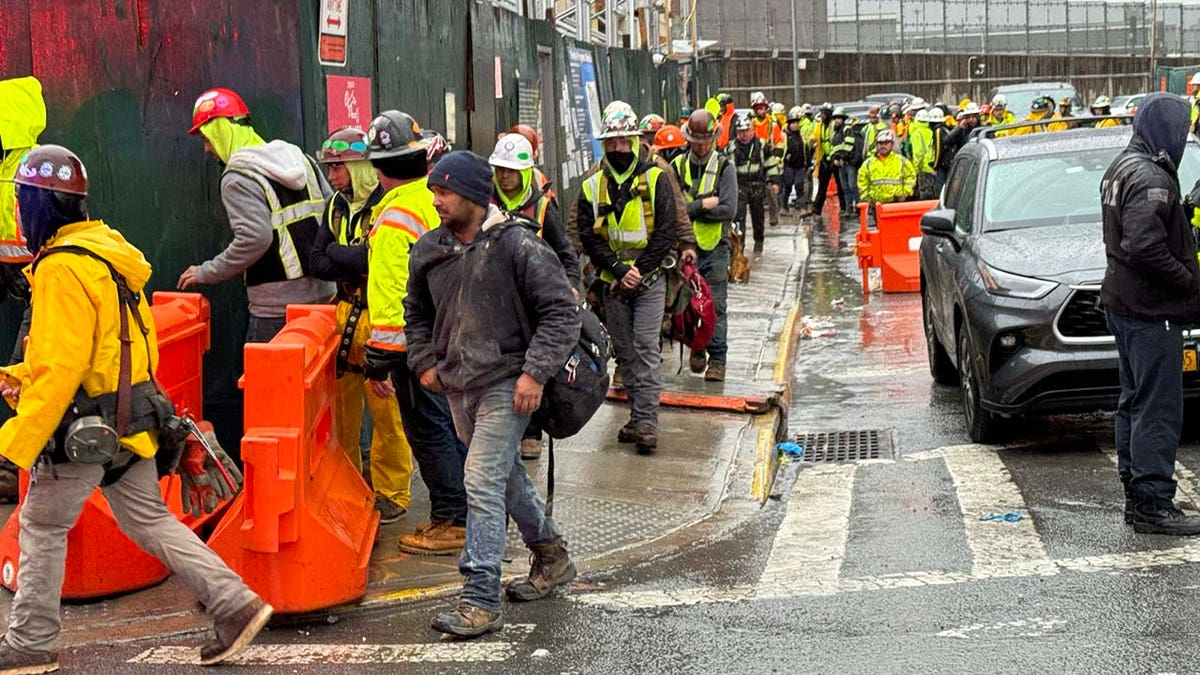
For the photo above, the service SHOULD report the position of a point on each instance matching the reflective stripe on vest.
(305, 213)
(629, 235)
(708, 233)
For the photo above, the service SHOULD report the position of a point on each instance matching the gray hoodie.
(250, 219)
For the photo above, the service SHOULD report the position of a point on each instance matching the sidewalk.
(713, 468)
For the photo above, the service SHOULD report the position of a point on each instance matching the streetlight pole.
(1153, 37)
(795, 59)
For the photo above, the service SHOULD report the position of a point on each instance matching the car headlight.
(998, 282)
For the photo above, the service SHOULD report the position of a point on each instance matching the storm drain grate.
(846, 446)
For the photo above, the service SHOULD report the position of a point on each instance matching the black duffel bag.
(577, 390)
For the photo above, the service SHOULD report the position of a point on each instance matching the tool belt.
(342, 364)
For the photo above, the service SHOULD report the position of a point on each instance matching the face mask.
(620, 161)
(42, 215)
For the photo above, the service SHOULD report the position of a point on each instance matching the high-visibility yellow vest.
(628, 233)
(404, 214)
(708, 232)
(888, 179)
(295, 219)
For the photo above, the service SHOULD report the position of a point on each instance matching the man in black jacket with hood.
(1151, 289)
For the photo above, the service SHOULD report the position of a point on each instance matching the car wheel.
(940, 365)
(982, 426)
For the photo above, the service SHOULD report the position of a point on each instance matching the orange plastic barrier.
(894, 244)
(101, 560)
(300, 534)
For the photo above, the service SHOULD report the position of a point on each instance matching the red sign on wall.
(349, 101)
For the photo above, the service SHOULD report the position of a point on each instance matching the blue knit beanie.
(464, 173)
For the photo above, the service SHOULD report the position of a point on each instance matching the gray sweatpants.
(635, 325)
(51, 509)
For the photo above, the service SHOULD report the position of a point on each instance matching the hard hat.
(758, 98)
(885, 136)
(1102, 102)
(436, 145)
(513, 151)
(54, 168)
(806, 109)
(874, 110)
(839, 112)
(827, 106)
(618, 105)
(651, 123)
(917, 103)
(969, 109)
(742, 123)
(216, 103)
(529, 133)
(619, 122)
(394, 134)
(999, 101)
(1041, 103)
(964, 103)
(1195, 79)
(921, 116)
(701, 127)
(777, 109)
(724, 98)
(669, 136)
(685, 112)
(347, 144)
(935, 115)
(1066, 100)
(795, 114)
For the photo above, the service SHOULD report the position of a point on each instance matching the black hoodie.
(1152, 273)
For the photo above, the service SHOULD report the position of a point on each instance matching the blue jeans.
(849, 175)
(496, 485)
(429, 427)
(264, 329)
(714, 267)
(1150, 410)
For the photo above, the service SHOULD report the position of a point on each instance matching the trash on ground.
(540, 653)
(815, 326)
(838, 304)
(1010, 517)
(792, 449)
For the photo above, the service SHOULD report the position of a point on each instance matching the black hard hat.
(394, 134)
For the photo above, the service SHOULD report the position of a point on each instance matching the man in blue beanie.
(1151, 289)
(490, 319)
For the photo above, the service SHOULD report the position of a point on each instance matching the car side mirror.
(939, 222)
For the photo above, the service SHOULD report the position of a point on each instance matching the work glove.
(203, 484)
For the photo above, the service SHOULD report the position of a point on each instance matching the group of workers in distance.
(902, 151)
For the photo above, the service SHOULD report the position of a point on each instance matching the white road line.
(806, 556)
(301, 654)
(1036, 626)
(984, 486)
(1185, 481)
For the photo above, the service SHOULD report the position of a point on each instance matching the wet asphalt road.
(880, 566)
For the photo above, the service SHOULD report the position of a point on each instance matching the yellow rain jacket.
(74, 338)
(22, 120)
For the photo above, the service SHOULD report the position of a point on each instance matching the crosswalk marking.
(984, 486)
(807, 554)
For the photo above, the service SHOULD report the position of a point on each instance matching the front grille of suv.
(1082, 318)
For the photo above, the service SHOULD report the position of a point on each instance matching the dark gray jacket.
(490, 310)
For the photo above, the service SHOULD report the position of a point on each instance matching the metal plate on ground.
(832, 447)
(593, 525)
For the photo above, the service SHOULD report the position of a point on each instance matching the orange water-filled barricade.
(894, 245)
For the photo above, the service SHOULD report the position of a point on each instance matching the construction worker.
(540, 181)
(1102, 107)
(779, 113)
(274, 198)
(404, 213)
(770, 133)
(920, 137)
(1039, 110)
(92, 343)
(909, 113)
(514, 192)
(483, 262)
(999, 114)
(339, 254)
(22, 120)
(822, 143)
(795, 161)
(725, 120)
(847, 157)
(749, 156)
(1063, 112)
(621, 213)
(874, 125)
(710, 187)
(968, 120)
(649, 126)
(886, 176)
(1195, 83)
(808, 125)
(685, 112)
(669, 142)
(936, 118)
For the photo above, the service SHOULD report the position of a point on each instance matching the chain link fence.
(1014, 26)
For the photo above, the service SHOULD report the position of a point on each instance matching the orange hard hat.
(216, 103)
(529, 133)
(54, 168)
(668, 136)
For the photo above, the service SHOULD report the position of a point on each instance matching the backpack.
(691, 318)
(577, 390)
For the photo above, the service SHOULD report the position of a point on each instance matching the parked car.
(1020, 96)
(884, 99)
(1011, 264)
(1126, 103)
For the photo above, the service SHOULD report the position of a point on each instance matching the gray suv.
(1011, 265)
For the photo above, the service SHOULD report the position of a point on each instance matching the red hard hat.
(216, 103)
(528, 132)
(54, 168)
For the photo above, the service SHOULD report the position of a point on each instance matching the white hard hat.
(969, 109)
(999, 100)
(615, 106)
(885, 136)
(1196, 79)
(921, 116)
(936, 114)
(917, 103)
(513, 151)
(758, 98)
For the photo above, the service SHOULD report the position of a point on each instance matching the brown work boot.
(531, 448)
(15, 661)
(467, 620)
(440, 538)
(715, 372)
(549, 568)
(646, 439)
(627, 433)
(697, 361)
(235, 632)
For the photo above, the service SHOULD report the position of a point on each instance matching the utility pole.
(695, 61)
(795, 58)
(1154, 37)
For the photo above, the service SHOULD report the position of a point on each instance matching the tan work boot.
(440, 538)
(715, 372)
(13, 660)
(549, 568)
(468, 621)
(697, 361)
(531, 448)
